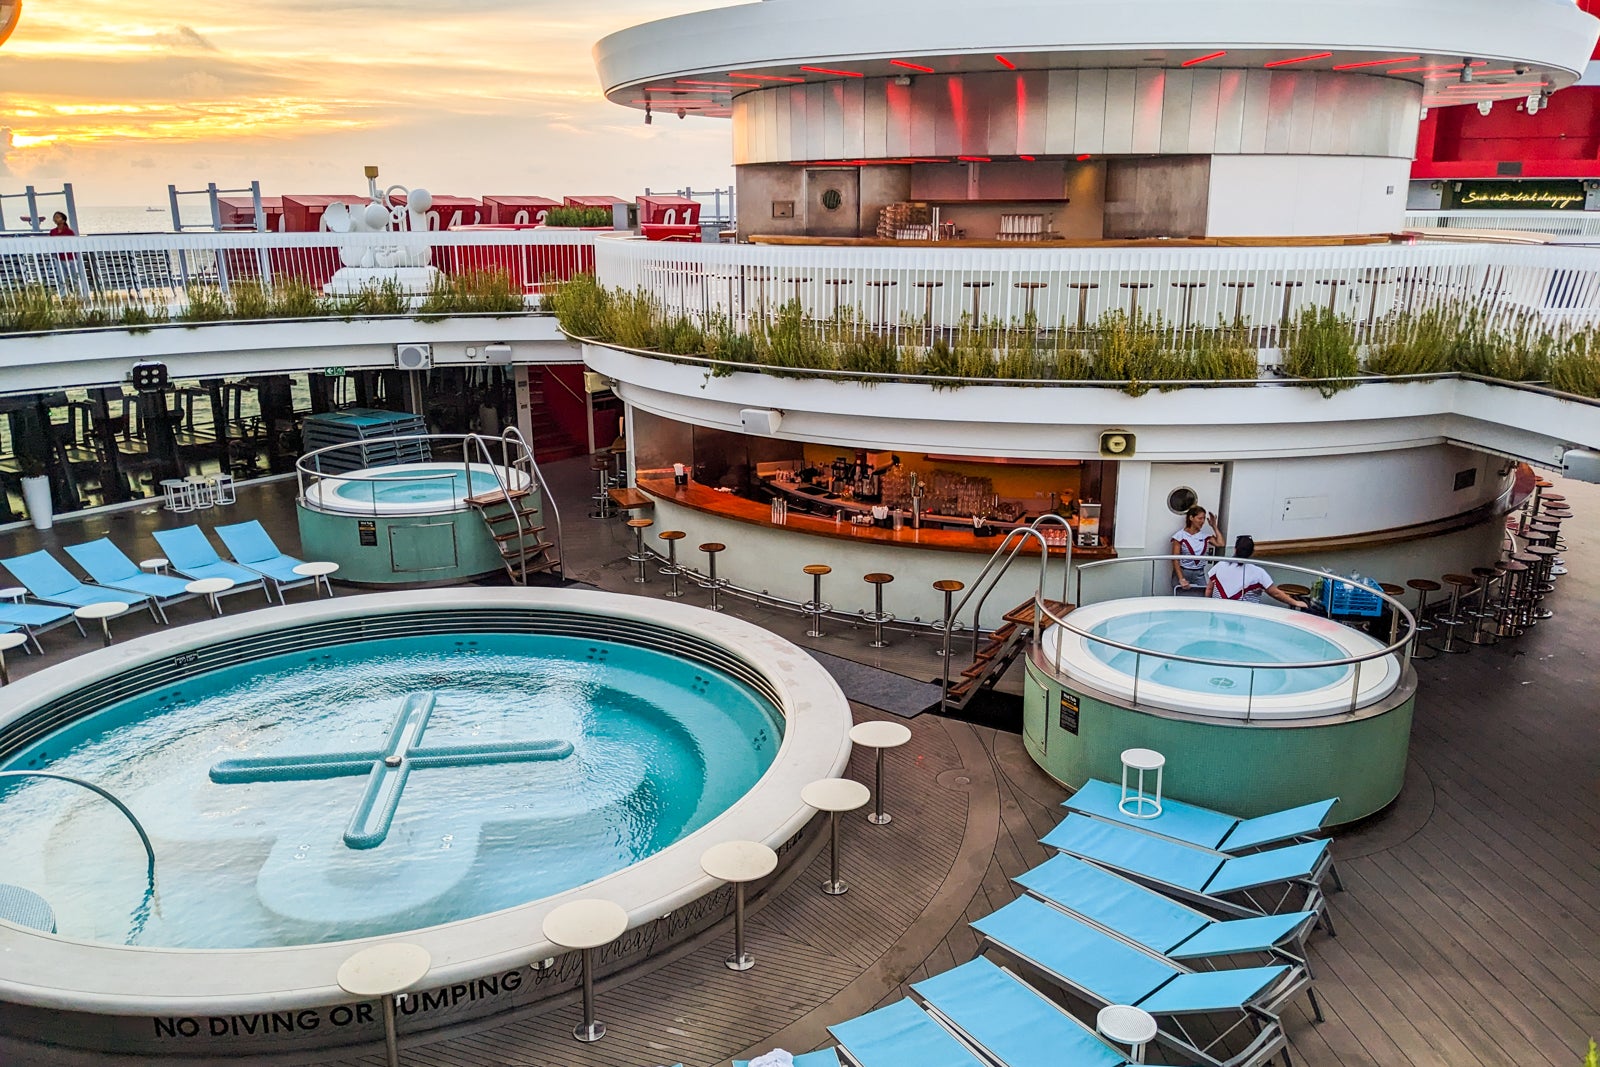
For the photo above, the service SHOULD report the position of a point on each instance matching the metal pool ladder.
(513, 515)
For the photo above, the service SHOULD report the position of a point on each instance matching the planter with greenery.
(587, 217)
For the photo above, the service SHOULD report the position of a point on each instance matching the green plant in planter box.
(580, 305)
(1321, 345)
(578, 216)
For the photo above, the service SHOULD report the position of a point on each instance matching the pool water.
(416, 485)
(658, 747)
(1212, 635)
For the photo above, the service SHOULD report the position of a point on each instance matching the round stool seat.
(835, 794)
(1295, 590)
(1424, 585)
(585, 924)
(878, 579)
(1390, 589)
(384, 970)
(739, 861)
(713, 546)
(880, 733)
(949, 585)
(1485, 572)
(1552, 498)
(1461, 581)
(672, 535)
(1532, 550)
(817, 568)
(640, 524)
(600, 463)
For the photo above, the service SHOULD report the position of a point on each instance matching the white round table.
(201, 494)
(318, 572)
(834, 795)
(586, 925)
(13, 593)
(8, 641)
(879, 734)
(102, 612)
(212, 589)
(382, 971)
(155, 565)
(1138, 804)
(1127, 1025)
(739, 862)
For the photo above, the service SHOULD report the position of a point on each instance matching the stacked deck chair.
(251, 545)
(46, 579)
(1194, 825)
(192, 556)
(1233, 885)
(111, 568)
(964, 1026)
(33, 620)
(1101, 969)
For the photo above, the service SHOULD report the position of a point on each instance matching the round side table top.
(1142, 759)
(155, 563)
(739, 861)
(1126, 1024)
(384, 969)
(835, 794)
(880, 733)
(207, 586)
(585, 923)
(105, 609)
(315, 569)
(14, 639)
(14, 592)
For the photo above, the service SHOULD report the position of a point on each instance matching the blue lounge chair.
(1212, 879)
(901, 1035)
(46, 579)
(1194, 825)
(191, 555)
(1104, 970)
(1164, 926)
(1009, 1022)
(110, 567)
(251, 545)
(35, 619)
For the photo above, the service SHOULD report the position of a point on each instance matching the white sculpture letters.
(369, 262)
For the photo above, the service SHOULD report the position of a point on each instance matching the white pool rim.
(328, 493)
(66, 974)
(1078, 663)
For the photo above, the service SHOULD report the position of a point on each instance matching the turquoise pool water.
(1221, 637)
(415, 484)
(540, 764)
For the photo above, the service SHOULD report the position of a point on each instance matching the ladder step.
(1023, 614)
(509, 551)
(977, 670)
(495, 496)
(509, 515)
(527, 531)
(960, 688)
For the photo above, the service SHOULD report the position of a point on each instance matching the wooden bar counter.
(731, 506)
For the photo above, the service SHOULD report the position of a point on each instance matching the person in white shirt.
(1194, 542)
(1234, 579)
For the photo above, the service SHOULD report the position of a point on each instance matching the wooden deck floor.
(1469, 931)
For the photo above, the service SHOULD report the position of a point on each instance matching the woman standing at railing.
(1194, 543)
(66, 262)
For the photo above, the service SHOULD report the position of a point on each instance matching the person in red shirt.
(66, 268)
(61, 229)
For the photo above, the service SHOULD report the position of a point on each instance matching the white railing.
(161, 272)
(1555, 223)
(925, 289)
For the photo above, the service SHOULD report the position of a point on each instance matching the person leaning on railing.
(1194, 542)
(1234, 579)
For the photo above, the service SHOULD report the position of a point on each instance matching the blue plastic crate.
(1341, 598)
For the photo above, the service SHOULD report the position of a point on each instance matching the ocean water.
(134, 218)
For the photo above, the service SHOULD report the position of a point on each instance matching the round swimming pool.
(446, 766)
(408, 488)
(1254, 649)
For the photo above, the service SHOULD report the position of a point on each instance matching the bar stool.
(672, 570)
(1138, 804)
(1288, 298)
(797, 280)
(383, 972)
(836, 283)
(879, 734)
(1526, 599)
(1333, 290)
(815, 607)
(1134, 289)
(585, 925)
(1083, 299)
(739, 862)
(1507, 621)
(834, 795)
(927, 301)
(601, 466)
(977, 294)
(712, 582)
(949, 587)
(1188, 297)
(1540, 575)
(1423, 586)
(640, 556)
(1454, 617)
(877, 616)
(1484, 611)
(1238, 299)
(1031, 288)
(883, 288)
(1395, 591)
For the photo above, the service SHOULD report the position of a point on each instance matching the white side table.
(8, 641)
(586, 925)
(155, 565)
(1139, 804)
(212, 589)
(13, 593)
(739, 862)
(201, 495)
(102, 612)
(879, 734)
(834, 795)
(1126, 1025)
(318, 573)
(383, 971)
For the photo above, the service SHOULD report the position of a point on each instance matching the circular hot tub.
(409, 488)
(442, 767)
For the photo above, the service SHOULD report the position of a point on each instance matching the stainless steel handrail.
(144, 838)
(302, 470)
(477, 440)
(546, 498)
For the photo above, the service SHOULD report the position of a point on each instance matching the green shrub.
(293, 298)
(470, 292)
(1321, 345)
(790, 341)
(1225, 354)
(207, 303)
(578, 216)
(630, 319)
(1593, 1058)
(580, 305)
(870, 353)
(1416, 344)
(681, 337)
(29, 309)
(1576, 369)
(250, 300)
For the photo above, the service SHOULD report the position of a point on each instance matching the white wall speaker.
(763, 422)
(413, 357)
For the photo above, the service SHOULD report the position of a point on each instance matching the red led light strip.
(909, 66)
(1297, 59)
(974, 159)
(1004, 62)
(1376, 63)
(1202, 59)
(1085, 157)
(716, 85)
(765, 77)
(1028, 158)
(836, 73)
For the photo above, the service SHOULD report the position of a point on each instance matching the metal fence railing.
(1556, 223)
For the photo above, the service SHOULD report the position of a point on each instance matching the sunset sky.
(468, 97)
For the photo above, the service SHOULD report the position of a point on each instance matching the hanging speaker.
(413, 357)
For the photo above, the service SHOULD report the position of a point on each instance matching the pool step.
(521, 549)
(525, 532)
(1004, 646)
(494, 497)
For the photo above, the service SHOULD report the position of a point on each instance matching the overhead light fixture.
(902, 79)
(1484, 107)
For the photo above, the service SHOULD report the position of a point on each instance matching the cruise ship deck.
(1469, 929)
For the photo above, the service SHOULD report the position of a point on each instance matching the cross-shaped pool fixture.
(386, 768)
